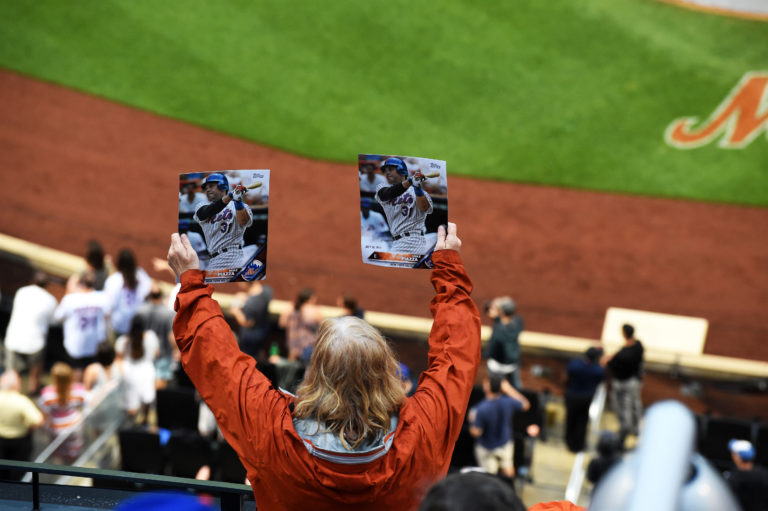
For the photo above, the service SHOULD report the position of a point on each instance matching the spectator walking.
(126, 289)
(136, 353)
(584, 375)
(491, 425)
(18, 417)
(503, 349)
(84, 312)
(626, 369)
(301, 324)
(62, 402)
(352, 441)
(349, 306)
(97, 264)
(158, 318)
(31, 315)
(100, 371)
(749, 481)
(252, 315)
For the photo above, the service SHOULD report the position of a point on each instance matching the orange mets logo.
(738, 120)
(252, 270)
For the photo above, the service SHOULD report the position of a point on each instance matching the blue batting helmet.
(397, 163)
(218, 178)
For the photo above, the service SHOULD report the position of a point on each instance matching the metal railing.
(231, 495)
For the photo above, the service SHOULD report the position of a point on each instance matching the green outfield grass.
(554, 92)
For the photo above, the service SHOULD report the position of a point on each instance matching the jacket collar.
(327, 446)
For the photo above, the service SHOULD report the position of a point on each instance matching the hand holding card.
(447, 238)
(181, 255)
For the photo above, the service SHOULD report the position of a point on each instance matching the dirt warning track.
(78, 167)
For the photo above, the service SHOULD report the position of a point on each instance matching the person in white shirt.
(126, 289)
(31, 316)
(136, 353)
(370, 177)
(84, 312)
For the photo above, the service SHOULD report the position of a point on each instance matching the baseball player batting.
(224, 221)
(406, 206)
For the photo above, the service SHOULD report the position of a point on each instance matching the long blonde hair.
(61, 375)
(351, 384)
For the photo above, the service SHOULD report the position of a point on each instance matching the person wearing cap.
(749, 481)
(503, 350)
(584, 375)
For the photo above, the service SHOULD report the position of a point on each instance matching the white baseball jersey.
(185, 206)
(84, 324)
(123, 301)
(32, 313)
(374, 227)
(405, 217)
(222, 231)
(367, 186)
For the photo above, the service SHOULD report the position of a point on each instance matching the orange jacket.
(557, 505)
(256, 420)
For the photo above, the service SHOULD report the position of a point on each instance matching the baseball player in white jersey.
(406, 206)
(224, 221)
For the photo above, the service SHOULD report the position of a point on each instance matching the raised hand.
(447, 239)
(181, 255)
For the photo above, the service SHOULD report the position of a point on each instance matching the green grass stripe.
(559, 92)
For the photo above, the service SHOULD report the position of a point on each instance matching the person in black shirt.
(626, 369)
(608, 454)
(749, 481)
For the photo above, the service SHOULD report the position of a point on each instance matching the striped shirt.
(59, 417)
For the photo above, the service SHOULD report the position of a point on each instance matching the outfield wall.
(63, 265)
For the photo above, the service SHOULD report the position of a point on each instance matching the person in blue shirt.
(491, 425)
(584, 375)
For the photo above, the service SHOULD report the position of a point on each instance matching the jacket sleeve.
(454, 356)
(240, 397)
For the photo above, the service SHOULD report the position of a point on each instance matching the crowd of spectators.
(111, 322)
(117, 328)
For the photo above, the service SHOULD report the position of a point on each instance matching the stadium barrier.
(231, 496)
(715, 367)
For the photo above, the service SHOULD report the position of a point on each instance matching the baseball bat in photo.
(432, 174)
(254, 185)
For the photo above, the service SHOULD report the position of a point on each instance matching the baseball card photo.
(224, 214)
(403, 199)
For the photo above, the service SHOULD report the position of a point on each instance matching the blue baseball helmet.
(218, 178)
(397, 163)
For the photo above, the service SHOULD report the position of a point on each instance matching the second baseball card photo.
(224, 214)
(403, 199)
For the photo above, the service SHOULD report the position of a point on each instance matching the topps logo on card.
(252, 270)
